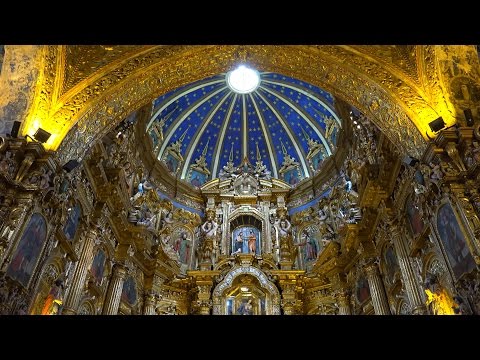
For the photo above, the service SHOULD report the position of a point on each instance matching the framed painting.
(28, 250)
(171, 162)
(414, 217)
(317, 161)
(309, 245)
(98, 266)
(71, 225)
(362, 289)
(129, 291)
(453, 241)
(246, 240)
(391, 264)
(197, 178)
(291, 177)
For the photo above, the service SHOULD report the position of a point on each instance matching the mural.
(309, 246)
(171, 162)
(414, 217)
(129, 292)
(71, 225)
(317, 161)
(28, 251)
(454, 241)
(197, 178)
(291, 177)
(98, 266)
(246, 239)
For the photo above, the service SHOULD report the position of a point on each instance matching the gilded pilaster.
(377, 290)
(149, 304)
(204, 304)
(114, 292)
(80, 275)
(409, 279)
(343, 301)
(291, 289)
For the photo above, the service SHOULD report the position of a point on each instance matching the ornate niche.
(246, 290)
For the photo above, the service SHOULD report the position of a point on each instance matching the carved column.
(204, 303)
(409, 279)
(149, 304)
(202, 288)
(343, 300)
(80, 274)
(114, 292)
(377, 290)
(289, 282)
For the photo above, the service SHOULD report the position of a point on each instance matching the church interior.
(239, 180)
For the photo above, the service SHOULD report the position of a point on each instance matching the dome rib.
(221, 139)
(198, 134)
(313, 124)
(300, 154)
(268, 139)
(177, 123)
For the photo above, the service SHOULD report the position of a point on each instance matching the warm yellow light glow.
(440, 302)
(34, 127)
(57, 133)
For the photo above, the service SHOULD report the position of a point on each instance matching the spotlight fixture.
(42, 135)
(469, 117)
(70, 165)
(437, 124)
(15, 129)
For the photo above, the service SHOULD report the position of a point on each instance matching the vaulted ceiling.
(90, 89)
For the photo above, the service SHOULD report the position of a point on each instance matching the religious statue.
(252, 242)
(283, 226)
(210, 228)
(245, 308)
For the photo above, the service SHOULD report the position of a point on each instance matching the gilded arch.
(251, 212)
(105, 100)
(274, 295)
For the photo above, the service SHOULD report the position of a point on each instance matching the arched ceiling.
(401, 88)
(283, 119)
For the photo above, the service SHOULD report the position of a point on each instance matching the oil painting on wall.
(453, 240)
(129, 292)
(246, 239)
(98, 266)
(28, 251)
(198, 178)
(414, 217)
(71, 225)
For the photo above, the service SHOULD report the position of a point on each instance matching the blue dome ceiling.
(285, 124)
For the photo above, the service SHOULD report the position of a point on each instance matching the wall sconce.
(42, 135)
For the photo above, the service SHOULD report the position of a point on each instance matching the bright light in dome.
(243, 80)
